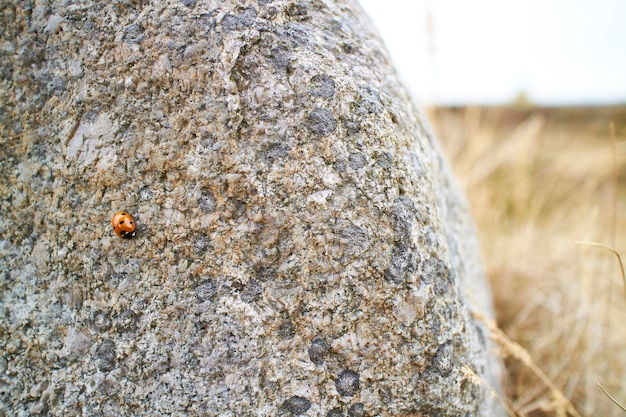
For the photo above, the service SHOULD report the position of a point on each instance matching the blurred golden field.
(539, 182)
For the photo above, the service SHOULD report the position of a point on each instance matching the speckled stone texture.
(301, 247)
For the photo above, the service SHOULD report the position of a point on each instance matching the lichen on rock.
(301, 247)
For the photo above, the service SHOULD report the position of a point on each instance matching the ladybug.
(123, 225)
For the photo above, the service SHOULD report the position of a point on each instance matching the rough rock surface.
(301, 248)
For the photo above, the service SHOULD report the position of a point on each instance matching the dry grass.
(539, 180)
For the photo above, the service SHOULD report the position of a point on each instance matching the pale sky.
(559, 52)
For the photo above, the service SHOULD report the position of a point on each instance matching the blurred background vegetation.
(539, 180)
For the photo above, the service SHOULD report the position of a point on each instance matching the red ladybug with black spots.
(123, 225)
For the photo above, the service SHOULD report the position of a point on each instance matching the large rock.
(301, 247)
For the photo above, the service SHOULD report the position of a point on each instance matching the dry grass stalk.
(610, 397)
(560, 403)
(616, 253)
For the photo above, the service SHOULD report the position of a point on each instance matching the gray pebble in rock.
(322, 122)
(318, 351)
(356, 410)
(297, 405)
(347, 383)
